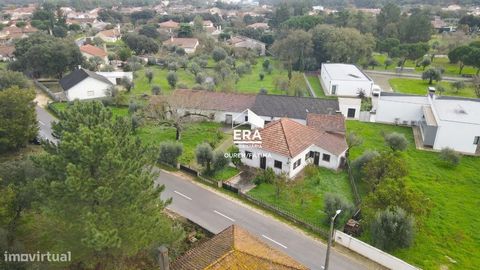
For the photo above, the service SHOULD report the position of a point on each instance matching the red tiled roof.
(209, 100)
(169, 24)
(7, 51)
(327, 122)
(289, 138)
(235, 248)
(183, 42)
(109, 33)
(92, 50)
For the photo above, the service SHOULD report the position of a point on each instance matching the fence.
(188, 170)
(353, 185)
(55, 96)
(288, 216)
(372, 253)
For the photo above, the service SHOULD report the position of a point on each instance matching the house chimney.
(163, 260)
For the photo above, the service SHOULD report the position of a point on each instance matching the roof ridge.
(285, 136)
(266, 259)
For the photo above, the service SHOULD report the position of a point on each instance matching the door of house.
(228, 119)
(316, 158)
(263, 162)
(351, 113)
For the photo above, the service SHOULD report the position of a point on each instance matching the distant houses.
(248, 43)
(188, 44)
(111, 35)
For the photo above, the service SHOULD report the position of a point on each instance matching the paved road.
(214, 213)
(45, 124)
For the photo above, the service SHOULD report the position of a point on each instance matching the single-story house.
(232, 248)
(350, 107)
(83, 84)
(90, 51)
(111, 35)
(188, 44)
(442, 121)
(233, 108)
(344, 80)
(169, 25)
(287, 146)
(247, 43)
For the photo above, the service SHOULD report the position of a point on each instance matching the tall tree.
(417, 27)
(387, 21)
(11, 78)
(294, 57)
(18, 123)
(99, 184)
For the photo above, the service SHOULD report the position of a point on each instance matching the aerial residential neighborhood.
(239, 134)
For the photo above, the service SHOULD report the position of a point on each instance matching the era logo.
(247, 136)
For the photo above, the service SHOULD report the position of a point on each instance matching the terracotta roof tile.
(289, 138)
(330, 123)
(235, 248)
(183, 42)
(169, 24)
(92, 50)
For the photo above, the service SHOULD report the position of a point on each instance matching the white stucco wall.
(350, 103)
(456, 135)
(404, 108)
(89, 88)
(346, 88)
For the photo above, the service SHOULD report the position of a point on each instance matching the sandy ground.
(41, 99)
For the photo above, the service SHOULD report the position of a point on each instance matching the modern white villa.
(344, 80)
(287, 146)
(443, 121)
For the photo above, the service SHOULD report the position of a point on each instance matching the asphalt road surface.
(45, 121)
(215, 213)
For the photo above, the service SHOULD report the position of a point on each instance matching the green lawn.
(225, 174)
(305, 197)
(3, 65)
(116, 111)
(450, 69)
(451, 229)
(419, 87)
(141, 85)
(317, 87)
(192, 135)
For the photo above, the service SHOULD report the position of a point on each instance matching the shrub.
(266, 64)
(235, 155)
(261, 76)
(170, 152)
(396, 141)
(450, 156)
(132, 107)
(156, 90)
(198, 87)
(182, 86)
(392, 229)
(149, 75)
(358, 164)
(265, 176)
(199, 78)
(263, 91)
(334, 202)
(219, 54)
(219, 161)
(172, 79)
(204, 155)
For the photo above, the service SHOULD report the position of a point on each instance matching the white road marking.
(183, 195)
(268, 238)
(41, 123)
(225, 216)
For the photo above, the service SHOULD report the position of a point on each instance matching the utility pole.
(330, 236)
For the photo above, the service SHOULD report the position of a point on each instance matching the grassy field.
(225, 174)
(305, 197)
(192, 135)
(451, 229)
(3, 65)
(419, 87)
(450, 69)
(141, 85)
(317, 87)
(116, 111)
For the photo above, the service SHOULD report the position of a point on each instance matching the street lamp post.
(330, 236)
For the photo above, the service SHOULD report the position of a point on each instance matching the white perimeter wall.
(372, 253)
(83, 90)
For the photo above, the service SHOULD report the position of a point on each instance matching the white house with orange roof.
(90, 51)
(287, 146)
